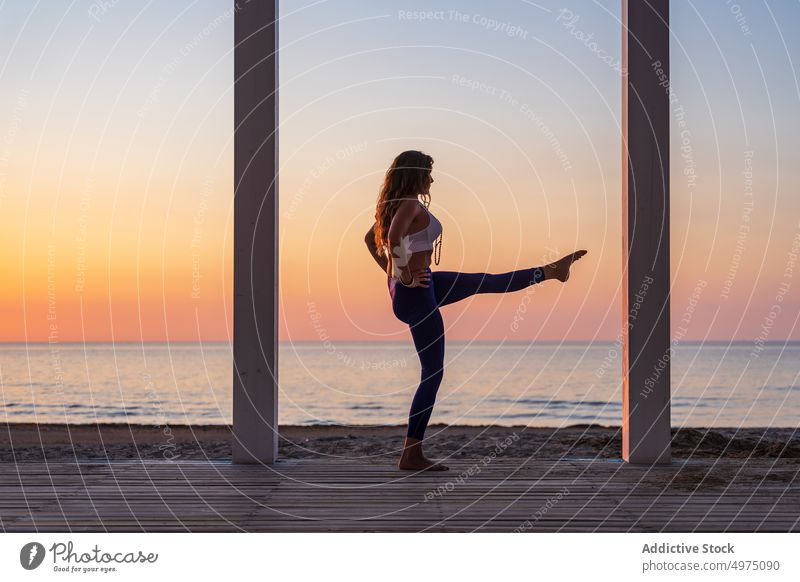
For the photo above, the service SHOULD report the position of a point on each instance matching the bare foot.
(560, 269)
(413, 459)
(423, 464)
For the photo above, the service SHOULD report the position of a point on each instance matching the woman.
(406, 226)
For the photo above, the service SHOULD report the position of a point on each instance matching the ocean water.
(541, 384)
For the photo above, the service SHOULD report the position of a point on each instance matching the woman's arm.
(369, 238)
(398, 236)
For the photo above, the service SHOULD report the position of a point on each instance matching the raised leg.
(452, 286)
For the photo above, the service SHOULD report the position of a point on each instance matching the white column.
(255, 233)
(645, 232)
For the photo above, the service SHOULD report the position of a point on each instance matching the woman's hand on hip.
(421, 278)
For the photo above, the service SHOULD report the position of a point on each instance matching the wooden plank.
(347, 496)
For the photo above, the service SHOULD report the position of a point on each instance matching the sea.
(558, 384)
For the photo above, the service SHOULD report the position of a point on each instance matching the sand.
(31, 442)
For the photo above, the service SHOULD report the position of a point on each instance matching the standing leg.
(452, 286)
(428, 335)
(417, 307)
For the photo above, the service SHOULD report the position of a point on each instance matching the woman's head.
(408, 177)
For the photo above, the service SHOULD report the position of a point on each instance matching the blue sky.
(130, 107)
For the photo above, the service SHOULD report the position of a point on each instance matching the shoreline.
(20, 442)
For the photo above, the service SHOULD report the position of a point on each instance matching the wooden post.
(255, 233)
(646, 352)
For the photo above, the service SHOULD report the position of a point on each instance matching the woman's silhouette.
(405, 226)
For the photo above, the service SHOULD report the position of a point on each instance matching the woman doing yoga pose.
(405, 226)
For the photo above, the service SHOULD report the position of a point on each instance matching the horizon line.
(320, 343)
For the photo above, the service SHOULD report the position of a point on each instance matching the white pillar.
(255, 233)
(645, 232)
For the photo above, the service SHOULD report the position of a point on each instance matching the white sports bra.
(424, 239)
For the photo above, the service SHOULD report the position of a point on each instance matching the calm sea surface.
(542, 384)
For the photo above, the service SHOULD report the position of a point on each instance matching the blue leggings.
(419, 308)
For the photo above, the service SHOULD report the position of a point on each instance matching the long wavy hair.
(405, 178)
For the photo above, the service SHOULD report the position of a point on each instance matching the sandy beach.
(61, 442)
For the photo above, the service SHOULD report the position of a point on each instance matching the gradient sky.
(116, 165)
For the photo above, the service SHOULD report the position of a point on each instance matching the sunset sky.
(116, 165)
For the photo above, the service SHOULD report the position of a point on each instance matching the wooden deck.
(308, 495)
